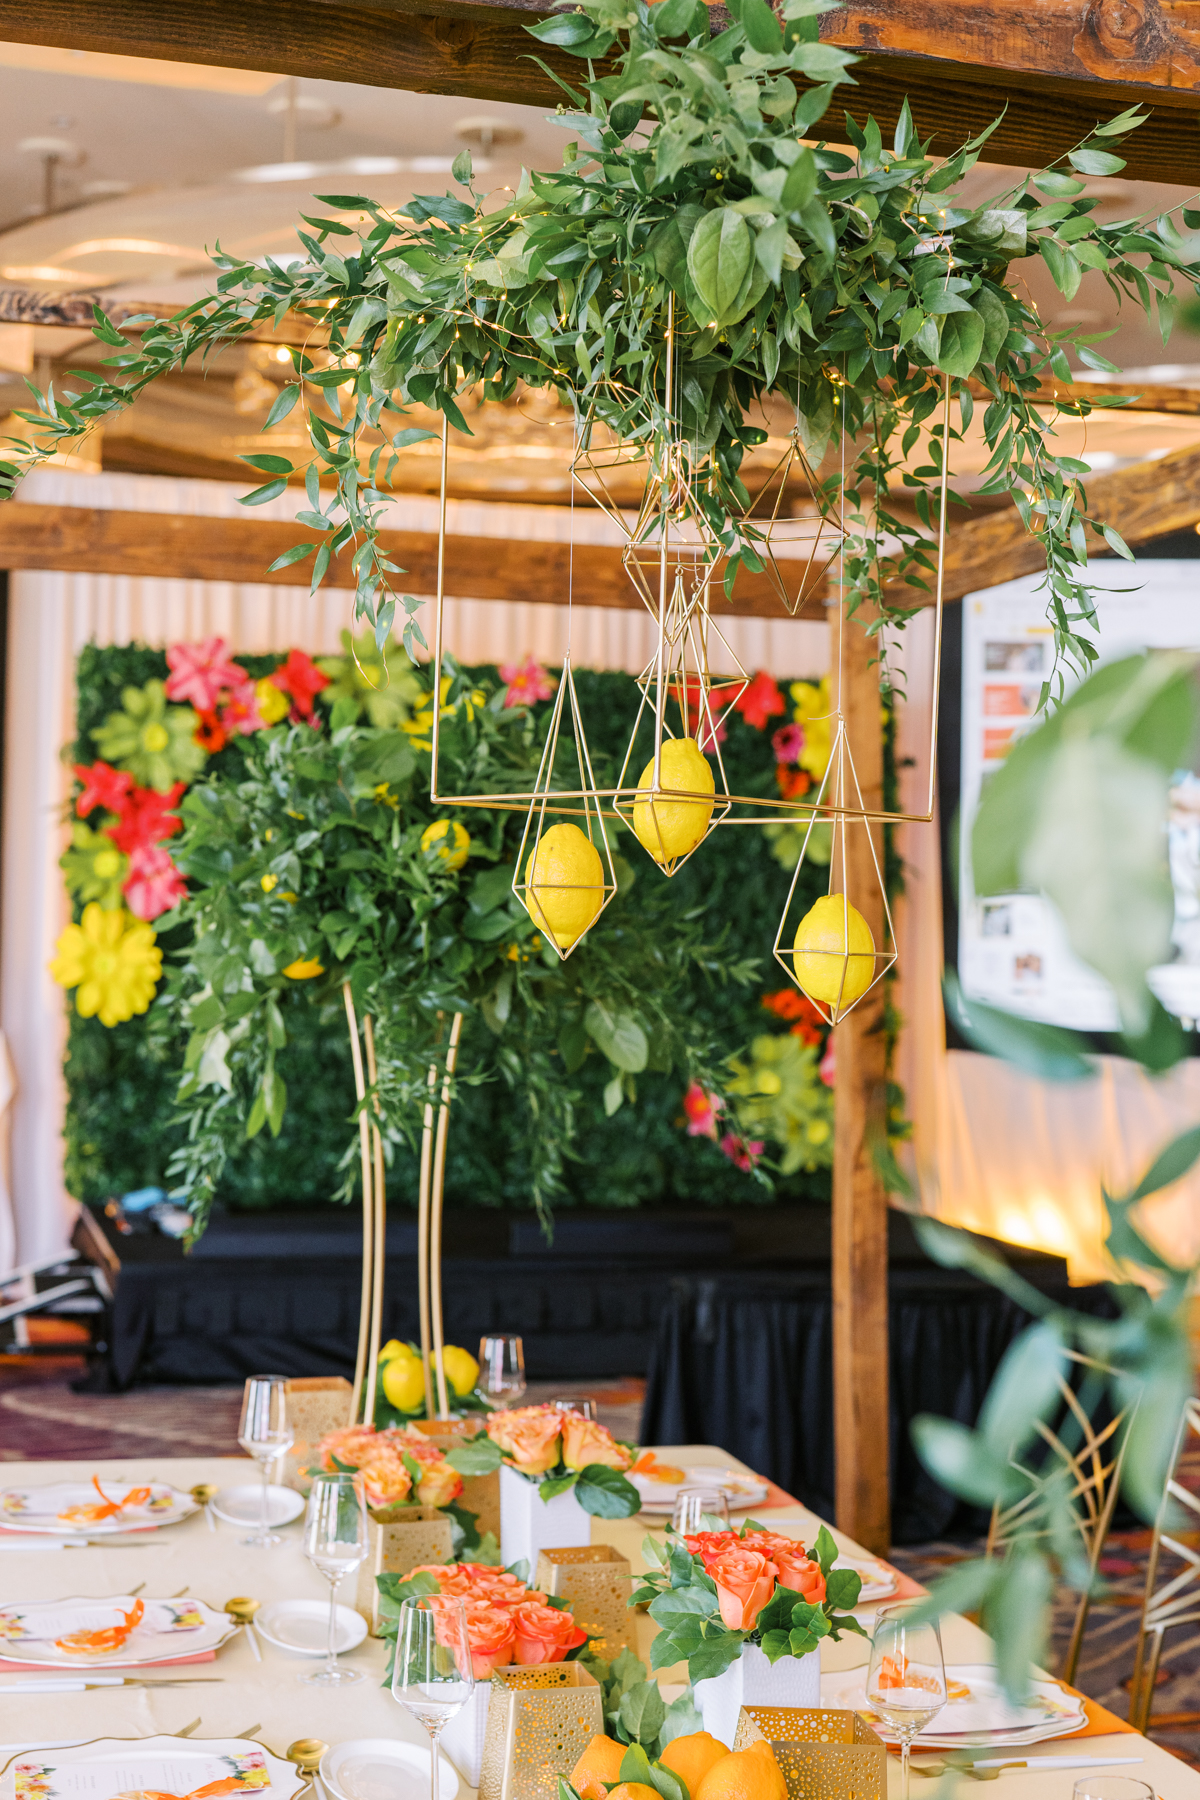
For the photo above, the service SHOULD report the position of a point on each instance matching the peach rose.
(529, 1436)
(745, 1582)
(499, 1588)
(544, 1634)
(586, 1442)
(451, 1578)
(798, 1571)
(711, 1543)
(492, 1636)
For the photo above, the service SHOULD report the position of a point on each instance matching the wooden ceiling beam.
(1054, 68)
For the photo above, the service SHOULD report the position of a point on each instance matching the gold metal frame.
(1175, 1601)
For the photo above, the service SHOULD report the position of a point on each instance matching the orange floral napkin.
(1100, 1722)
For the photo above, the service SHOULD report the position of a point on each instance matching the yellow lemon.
(671, 828)
(599, 1765)
(565, 884)
(394, 1347)
(404, 1383)
(834, 952)
(691, 1757)
(462, 1371)
(449, 841)
(304, 968)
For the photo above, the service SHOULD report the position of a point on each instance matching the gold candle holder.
(316, 1405)
(824, 1754)
(481, 1493)
(401, 1539)
(595, 1581)
(540, 1721)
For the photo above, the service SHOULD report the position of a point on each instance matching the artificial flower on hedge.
(155, 742)
(112, 961)
(93, 868)
(776, 1092)
(386, 688)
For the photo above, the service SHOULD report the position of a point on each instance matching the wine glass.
(906, 1680)
(1111, 1787)
(502, 1366)
(699, 1509)
(264, 1434)
(335, 1542)
(577, 1403)
(432, 1674)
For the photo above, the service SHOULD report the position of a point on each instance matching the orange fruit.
(600, 1762)
(692, 1757)
(633, 1790)
(745, 1775)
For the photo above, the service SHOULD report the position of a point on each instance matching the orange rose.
(584, 1442)
(543, 1634)
(492, 1637)
(452, 1580)
(498, 1587)
(745, 1582)
(529, 1436)
(798, 1571)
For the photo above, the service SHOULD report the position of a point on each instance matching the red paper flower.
(146, 817)
(790, 1003)
(761, 701)
(701, 1109)
(103, 786)
(742, 1152)
(210, 733)
(240, 712)
(527, 681)
(154, 884)
(201, 673)
(300, 677)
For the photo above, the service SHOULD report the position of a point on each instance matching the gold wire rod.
(435, 1235)
(364, 1306)
(380, 1228)
(423, 1237)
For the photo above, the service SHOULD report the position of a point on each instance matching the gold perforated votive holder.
(480, 1493)
(825, 1754)
(539, 1723)
(594, 1580)
(405, 1538)
(316, 1405)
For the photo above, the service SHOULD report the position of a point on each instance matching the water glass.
(502, 1369)
(577, 1403)
(432, 1674)
(906, 1680)
(1111, 1787)
(699, 1509)
(335, 1542)
(264, 1434)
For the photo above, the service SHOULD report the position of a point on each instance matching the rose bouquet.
(719, 1591)
(507, 1621)
(398, 1467)
(559, 1452)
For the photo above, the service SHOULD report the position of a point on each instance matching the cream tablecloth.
(217, 1566)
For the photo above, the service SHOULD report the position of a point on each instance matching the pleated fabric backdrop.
(51, 616)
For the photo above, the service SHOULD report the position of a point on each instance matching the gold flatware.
(250, 1731)
(204, 1493)
(180, 1594)
(187, 1730)
(306, 1753)
(243, 1608)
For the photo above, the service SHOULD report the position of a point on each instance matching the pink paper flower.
(827, 1068)
(787, 743)
(154, 884)
(240, 712)
(527, 682)
(201, 673)
(701, 1109)
(742, 1152)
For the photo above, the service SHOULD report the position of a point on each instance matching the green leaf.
(270, 490)
(567, 30)
(572, 1045)
(1048, 1051)
(554, 1485)
(270, 465)
(681, 1720)
(480, 1456)
(605, 1493)
(1171, 1164)
(763, 30)
(282, 405)
(460, 168)
(1025, 1389)
(842, 1589)
(614, 1095)
(619, 1036)
(642, 1713)
(961, 1460)
(961, 342)
(769, 244)
(718, 259)
(1064, 268)
(1018, 1615)
(1095, 162)
(801, 182)
(824, 1551)
(296, 554)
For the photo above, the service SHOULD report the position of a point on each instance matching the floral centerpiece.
(746, 1610)
(399, 1467)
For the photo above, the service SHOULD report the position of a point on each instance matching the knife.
(77, 1684)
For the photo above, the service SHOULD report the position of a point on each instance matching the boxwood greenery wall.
(120, 1080)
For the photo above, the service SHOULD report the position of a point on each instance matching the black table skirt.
(746, 1361)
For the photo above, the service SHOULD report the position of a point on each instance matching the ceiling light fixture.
(350, 165)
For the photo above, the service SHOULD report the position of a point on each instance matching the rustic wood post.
(860, 1300)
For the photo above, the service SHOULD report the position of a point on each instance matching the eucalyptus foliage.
(694, 187)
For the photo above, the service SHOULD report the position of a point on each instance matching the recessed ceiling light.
(350, 165)
(486, 131)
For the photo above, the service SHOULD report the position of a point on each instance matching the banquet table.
(216, 1566)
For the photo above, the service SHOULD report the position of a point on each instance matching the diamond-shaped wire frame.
(692, 706)
(837, 973)
(812, 538)
(585, 814)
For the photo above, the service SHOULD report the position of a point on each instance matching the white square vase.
(529, 1524)
(753, 1681)
(463, 1735)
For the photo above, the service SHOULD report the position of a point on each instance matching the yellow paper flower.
(304, 968)
(814, 704)
(448, 841)
(273, 703)
(420, 726)
(111, 958)
(268, 883)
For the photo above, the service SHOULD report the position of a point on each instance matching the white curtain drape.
(51, 617)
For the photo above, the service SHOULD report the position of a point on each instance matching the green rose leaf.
(478, 1457)
(605, 1493)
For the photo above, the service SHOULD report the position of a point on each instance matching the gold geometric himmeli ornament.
(829, 951)
(1172, 1596)
(565, 905)
(669, 792)
(808, 540)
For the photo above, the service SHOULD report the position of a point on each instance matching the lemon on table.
(404, 1383)
(394, 1347)
(669, 829)
(834, 952)
(448, 841)
(462, 1371)
(564, 884)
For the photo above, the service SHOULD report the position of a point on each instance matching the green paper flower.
(385, 689)
(154, 741)
(93, 867)
(778, 1093)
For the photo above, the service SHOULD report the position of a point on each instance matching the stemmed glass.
(577, 1403)
(264, 1434)
(335, 1542)
(502, 1369)
(906, 1680)
(432, 1674)
(699, 1509)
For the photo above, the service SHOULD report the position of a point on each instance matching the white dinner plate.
(741, 1490)
(109, 1767)
(981, 1716)
(57, 1507)
(384, 1769)
(29, 1631)
(302, 1626)
(878, 1581)
(243, 1505)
